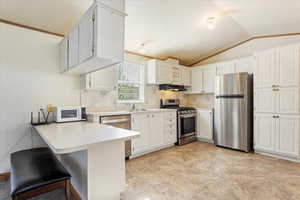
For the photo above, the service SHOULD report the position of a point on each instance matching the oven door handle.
(114, 121)
(187, 115)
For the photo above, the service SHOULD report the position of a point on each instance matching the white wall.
(29, 76)
(247, 49)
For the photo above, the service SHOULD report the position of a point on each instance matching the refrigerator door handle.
(232, 96)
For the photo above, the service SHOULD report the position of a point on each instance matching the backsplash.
(200, 100)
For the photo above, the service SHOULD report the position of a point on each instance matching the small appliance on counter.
(69, 114)
(186, 121)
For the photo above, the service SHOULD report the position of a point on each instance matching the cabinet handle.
(275, 89)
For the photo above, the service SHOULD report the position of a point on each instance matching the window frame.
(142, 84)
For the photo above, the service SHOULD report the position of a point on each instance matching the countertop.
(125, 112)
(70, 137)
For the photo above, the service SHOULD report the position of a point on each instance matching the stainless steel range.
(186, 121)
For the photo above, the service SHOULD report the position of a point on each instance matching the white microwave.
(69, 114)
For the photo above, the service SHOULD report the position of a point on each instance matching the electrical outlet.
(41, 107)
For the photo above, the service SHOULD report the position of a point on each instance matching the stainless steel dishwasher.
(119, 121)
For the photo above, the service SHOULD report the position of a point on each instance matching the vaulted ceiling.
(174, 28)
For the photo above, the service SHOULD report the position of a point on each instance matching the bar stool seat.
(37, 171)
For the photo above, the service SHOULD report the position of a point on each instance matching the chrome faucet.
(133, 107)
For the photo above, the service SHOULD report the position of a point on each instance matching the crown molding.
(243, 42)
(30, 27)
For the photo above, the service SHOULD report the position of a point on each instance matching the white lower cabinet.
(205, 125)
(157, 130)
(278, 134)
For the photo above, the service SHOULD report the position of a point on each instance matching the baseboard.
(151, 150)
(205, 140)
(5, 177)
(283, 157)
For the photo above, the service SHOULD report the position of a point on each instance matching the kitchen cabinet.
(170, 128)
(186, 76)
(177, 75)
(140, 123)
(158, 130)
(159, 72)
(73, 48)
(227, 67)
(102, 80)
(205, 125)
(277, 67)
(288, 66)
(277, 100)
(97, 41)
(63, 52)
(203, 79)
(277, 134)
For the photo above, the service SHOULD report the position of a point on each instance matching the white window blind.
(131, 82)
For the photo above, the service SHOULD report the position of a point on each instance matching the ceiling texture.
(176, 28)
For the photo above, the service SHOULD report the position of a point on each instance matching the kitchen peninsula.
(98, 153)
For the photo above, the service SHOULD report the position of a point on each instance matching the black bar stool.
(37, 171)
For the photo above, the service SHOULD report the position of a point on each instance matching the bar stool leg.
(67, 190)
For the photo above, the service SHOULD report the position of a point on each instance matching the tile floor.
(202, 171)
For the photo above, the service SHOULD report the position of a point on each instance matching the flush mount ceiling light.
(211, 23)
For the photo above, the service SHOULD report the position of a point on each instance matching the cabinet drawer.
(170, 115)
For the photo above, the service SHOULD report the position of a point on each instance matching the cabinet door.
(110, 34)
(170, 128)
(265, 69)
(205, 125)
(186, 76)
(86, 36)
(245, 65)
(264, 132)
(177, 75)
(288, 100)
(64, 55)
(156, 128)
(140, 123)
(197, 81)
(208, 74)
(288, 66)
(164, 73)
(73, 48)
(103, 79)
(227, 67)
(287, 138)
(265, 100)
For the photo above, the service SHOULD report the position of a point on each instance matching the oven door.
(186, 125)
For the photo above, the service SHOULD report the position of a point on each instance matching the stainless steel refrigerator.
(233, 118)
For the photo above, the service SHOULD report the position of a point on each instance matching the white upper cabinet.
(287, 100)
(64, 55)
(227, 67)
(86, 34)
(159, 72)
(196, 80)
(97, 41)
(186, 76)
(288, 66)
(203, 79)
(265, 100)
(73, 48)
(177, 75)
(277, 67)
(265, 69)
(245, 65)
(208, 78)
(115, 4)
(104, 79)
